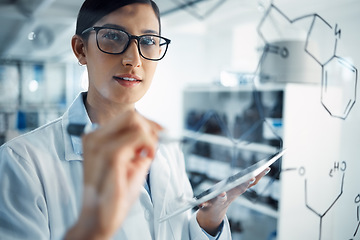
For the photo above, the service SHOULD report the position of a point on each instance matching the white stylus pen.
(78, 129)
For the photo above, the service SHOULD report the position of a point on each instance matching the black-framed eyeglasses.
(116, 41)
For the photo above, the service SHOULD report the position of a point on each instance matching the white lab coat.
(41, 188)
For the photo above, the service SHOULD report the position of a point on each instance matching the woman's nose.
(131, 57)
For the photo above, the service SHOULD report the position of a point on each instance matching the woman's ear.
(78, 46)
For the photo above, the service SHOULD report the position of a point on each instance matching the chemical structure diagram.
(338, 97)
(331, 199)
(339, 76)
(321, 208)
(338, 90)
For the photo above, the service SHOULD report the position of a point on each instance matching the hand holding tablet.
(226, 184)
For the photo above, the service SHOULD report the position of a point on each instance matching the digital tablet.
(226, 184)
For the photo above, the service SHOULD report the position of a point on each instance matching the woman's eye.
(112, 36)
(148, 41)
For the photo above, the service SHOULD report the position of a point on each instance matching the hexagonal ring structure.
(338, 90)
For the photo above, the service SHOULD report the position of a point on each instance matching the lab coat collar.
(76, 113)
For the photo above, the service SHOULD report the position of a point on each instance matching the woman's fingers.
(220, 199)
(123, 139)
(117, 157)
(258, 177)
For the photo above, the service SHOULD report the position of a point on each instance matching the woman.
(58, 186)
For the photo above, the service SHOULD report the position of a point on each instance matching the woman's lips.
(128, 80)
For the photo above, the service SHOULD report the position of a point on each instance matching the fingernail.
(222, 197)
(267, 171)
(252, 181)
(204, 205)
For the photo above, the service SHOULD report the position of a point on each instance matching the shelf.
(227, 142)
(240, 88)
(213, 157)
(33, 108)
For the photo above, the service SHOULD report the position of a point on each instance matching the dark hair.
(92, 11)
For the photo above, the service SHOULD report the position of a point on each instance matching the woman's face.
(121, 79)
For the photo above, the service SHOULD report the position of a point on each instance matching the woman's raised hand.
(117, 157)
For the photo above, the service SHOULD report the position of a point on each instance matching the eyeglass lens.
(115, 41)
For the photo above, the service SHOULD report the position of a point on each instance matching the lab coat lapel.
(139, 216)
(159, 184)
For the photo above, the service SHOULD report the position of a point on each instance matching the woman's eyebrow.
(109, 25)
(146, 31)
(150, 31)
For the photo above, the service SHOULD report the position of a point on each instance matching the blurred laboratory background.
(241, 80)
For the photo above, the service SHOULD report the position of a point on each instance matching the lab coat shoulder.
(38, 140)
(33, 183)
(18, 183)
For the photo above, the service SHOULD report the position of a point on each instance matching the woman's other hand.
(212, 212)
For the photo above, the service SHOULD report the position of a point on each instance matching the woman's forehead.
(137, 16)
